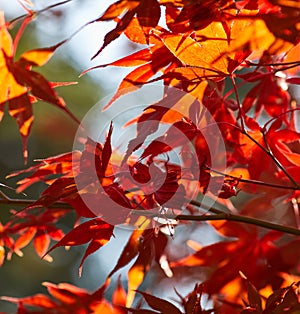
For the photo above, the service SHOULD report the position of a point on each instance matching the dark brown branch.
(218, 215)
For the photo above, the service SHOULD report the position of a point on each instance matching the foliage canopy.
(237, 59)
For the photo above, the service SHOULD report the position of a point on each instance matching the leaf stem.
(4, 199)
(241, 111)
(279, 116)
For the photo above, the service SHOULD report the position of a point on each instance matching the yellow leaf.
(136, 276)
(256, 38)
(38, 57)
(10, 88)
(201, 54)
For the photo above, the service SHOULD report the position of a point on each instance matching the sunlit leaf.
(19, 83)
(95, 231)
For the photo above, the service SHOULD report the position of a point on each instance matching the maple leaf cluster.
(239, 62)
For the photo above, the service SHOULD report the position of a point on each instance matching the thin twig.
(241, 110)
(266, 149)
(4, 196)
(293, 63)
(296, 211)
(255, 182)
(26, 202)
(35, 13)
(277, 162)
(270, 154)
(279, 116)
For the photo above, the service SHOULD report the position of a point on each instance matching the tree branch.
(244, 219)
(218, 214)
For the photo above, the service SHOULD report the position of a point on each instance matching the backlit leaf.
(161, 305)
(21, 86)
(119, 296)
(95, 231)
(199, 54)
(39, 300)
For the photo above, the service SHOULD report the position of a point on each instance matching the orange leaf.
(129, 252)
(119, 295)
(2, 255)
(293, 56)
(256, 37)
(20, 86)
(137, 272)
(130, 83)
(40, 300)
(137, 58)
(116, 9)
(38, 57)
(20, 109)
(25, 238)
(41, 243)
(65, 292)
(117, 31)
(135, 33)
(6, 77)
(63, 164)
(204, 54)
